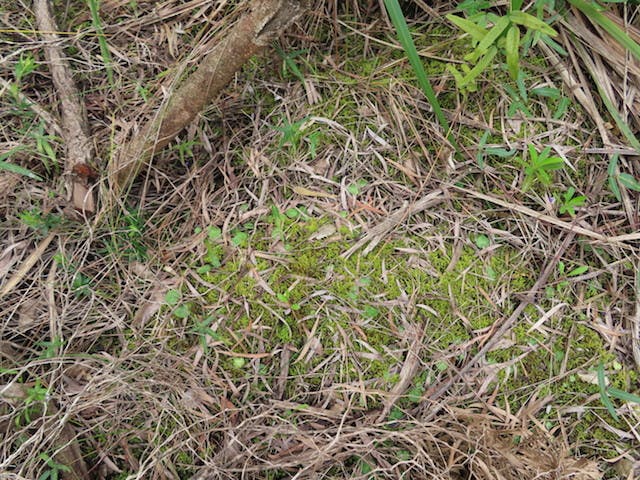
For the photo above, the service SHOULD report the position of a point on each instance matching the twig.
(26, 265)
(375, 234)
(75, 123)
(266, 20)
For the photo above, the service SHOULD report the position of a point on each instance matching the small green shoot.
(182, 311)
(604, 396)
(616, 178)
(203, 330)
(128, 237)
(214, 233)
(504, 36)
(172, 297)
(38, 221)
(44, 147)
(185, 150)
(238, 362)
(240, 239)
(35, 397)
(81, 285)
(50, 348)
(24, 66)
(569, 202)
(356, 187)
(292, 133)
(289, 65)
(482, 241)
(285, 298)
(540, 166)
(55, 468)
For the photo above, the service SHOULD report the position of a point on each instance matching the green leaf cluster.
(492, 34)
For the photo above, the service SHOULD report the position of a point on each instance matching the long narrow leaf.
(532, 23)
(612, 171)
(13, 168)
(104, 48)
(604, 396)
(404, 36)
(591, 11)
(480, 67)
(472, 28)
(624, 396)
(512, 50)
(489, 39)
(613, 111)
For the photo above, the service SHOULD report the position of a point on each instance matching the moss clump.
(353, 310)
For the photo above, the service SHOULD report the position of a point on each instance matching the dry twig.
(75, 124)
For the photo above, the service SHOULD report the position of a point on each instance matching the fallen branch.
(75, 124)
(266, 20)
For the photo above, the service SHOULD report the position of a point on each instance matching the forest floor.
(309, 282)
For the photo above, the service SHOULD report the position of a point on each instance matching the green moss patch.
(282, 281)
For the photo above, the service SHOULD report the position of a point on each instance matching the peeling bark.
(266, 20)
(75, 123)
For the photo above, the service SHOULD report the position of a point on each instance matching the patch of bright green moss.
(356, 308)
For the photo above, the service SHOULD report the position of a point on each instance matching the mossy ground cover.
(214, 326)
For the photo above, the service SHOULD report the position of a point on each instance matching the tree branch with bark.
(266, 20)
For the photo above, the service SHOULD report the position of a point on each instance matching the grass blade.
(604, 396)
(404, 36)
(592, 12)
(104, 48)
(13, 168)
(624, 396)
(17, 169)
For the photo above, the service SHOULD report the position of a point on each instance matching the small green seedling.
(24, 66)
(54, 468)
(44, 147)
(539, 167)
(569, 202)
(563, 274)
(172, 298)
(482, 241)
(292, 133)
(356, 187)
(35, 397)
(238, 362)
(50, 348)
(203, 330)
(38, 221)
(289, 65)
(185, 150)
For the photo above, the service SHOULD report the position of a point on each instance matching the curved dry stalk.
(266, 20)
